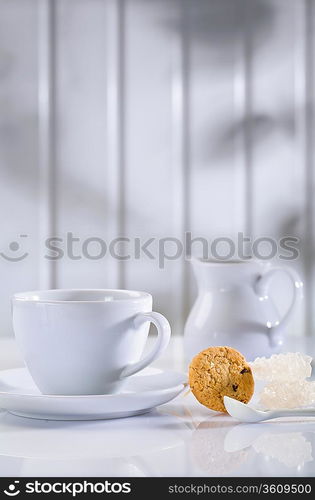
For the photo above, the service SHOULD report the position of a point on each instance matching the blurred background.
(149, 118)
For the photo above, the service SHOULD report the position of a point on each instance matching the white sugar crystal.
(285, 375)
(288, 367)
(291, 449)
(287, 395)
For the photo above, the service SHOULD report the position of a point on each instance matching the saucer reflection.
(141, 446)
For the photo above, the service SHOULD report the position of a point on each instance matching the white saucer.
(142, 393)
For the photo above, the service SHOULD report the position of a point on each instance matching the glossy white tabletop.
(181, 438)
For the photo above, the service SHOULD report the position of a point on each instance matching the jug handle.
(261, 288)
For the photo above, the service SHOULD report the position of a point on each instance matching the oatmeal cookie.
(217, 372)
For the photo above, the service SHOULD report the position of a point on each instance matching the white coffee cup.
(85, 341)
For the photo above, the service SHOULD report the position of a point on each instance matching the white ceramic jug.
(233, 308)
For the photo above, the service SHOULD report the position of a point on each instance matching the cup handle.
(261, 288)
(164, 334)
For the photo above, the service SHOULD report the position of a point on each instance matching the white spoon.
(245, 413)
